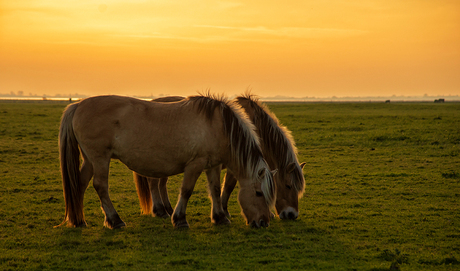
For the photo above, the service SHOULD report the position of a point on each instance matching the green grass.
(382, 190)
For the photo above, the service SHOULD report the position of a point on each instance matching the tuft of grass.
(451, 175)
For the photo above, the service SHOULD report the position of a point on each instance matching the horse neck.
(246, 154)
(246, 164)
(276, 141)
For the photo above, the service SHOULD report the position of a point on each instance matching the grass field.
(382, 192)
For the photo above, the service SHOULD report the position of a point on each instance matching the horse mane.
(275, 137)
(246, 154)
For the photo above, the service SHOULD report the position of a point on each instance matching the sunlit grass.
(382, 190)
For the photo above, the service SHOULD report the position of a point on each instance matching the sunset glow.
(291, 48)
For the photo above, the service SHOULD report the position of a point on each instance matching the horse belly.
(163, 154)
(153, 165)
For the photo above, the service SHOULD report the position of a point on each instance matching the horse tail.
(69, 155)
(143, 193)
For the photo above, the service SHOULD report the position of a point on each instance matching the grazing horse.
(278, 148)
(199, 133)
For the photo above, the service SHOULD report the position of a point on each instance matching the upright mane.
(275, 137)
(246, 154)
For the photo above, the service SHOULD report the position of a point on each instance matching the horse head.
(256, 198)
(290, 187)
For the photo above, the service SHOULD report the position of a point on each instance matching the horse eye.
(259, 194)
(288, 186)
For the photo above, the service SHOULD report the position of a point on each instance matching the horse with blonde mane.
(199, 133)
(278, 148)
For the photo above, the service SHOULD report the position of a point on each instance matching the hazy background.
(290, 48)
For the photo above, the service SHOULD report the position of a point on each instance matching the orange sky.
(294, 48)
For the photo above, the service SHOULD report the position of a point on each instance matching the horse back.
(154, 139)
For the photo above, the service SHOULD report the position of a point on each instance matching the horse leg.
(191, 174)
(86, 173)
(164, 195)
(158, 208)
(229, 184)
(218, 215)
(101, 184)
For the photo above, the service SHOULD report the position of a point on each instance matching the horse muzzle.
(261, 224)
(289, 214)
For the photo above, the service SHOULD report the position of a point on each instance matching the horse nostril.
(263, 223)
(254, 225)
(283, 215)
(289, 213)
(292, 216)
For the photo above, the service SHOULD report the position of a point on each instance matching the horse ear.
(274, 172)
(290, 167)
(302, 165)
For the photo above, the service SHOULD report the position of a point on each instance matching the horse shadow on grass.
(155, 243)
(284, 245)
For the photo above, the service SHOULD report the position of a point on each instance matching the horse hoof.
(227, 214)
(119, 225)
(115, 225)
(179, 222)
(160, 211)
(220, 219)
(225, 221)
(162, 214)
(77, 225)
(181, 225)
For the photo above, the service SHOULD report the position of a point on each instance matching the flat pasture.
(382, 193)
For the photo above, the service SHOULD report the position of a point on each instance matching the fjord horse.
(199, 133)
(279, 151)
(278, 148)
